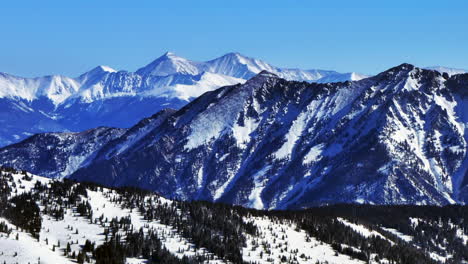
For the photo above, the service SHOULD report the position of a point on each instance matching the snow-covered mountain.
(73, 150)
(239, 66)
(106, 97)
(56, 221)
(449, 71)
(399, 137)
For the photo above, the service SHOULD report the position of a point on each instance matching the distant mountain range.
(106, 97)
(450, 71)
(399, 137)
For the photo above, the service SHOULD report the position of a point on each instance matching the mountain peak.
(234, 55)
(104, 68)
(268, 74)
(404, 66)
(239, 66)
(96, 72)
(169, 63)
(262, 77)
(169, 54)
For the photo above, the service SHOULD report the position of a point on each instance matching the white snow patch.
(27, 249)
(200, 177)
(255, 199)
(314, 154)
(397, 233)
(242, 133)
(277, 236)
(362, 230)
(294, 133)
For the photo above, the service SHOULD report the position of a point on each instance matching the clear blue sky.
(70, 37)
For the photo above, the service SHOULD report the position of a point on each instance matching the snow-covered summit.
(168, 64)
(101, 69)
(105, 68)
(237, 65)
(95, 74)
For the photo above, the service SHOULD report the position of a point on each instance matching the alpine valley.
(399, 137)
(106, 97)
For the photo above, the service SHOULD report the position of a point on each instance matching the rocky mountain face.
(106, 97)
(60, 154)
(399, 137)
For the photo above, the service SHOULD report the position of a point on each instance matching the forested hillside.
(61, 221)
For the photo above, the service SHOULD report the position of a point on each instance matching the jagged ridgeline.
(62, 221)
(399, 137)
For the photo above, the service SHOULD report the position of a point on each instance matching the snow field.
(278, 239)
(174, 242)
(27, 249)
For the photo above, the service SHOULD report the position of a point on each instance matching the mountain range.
(399, 137)
(106, 97)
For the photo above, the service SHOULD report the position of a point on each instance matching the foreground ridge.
(67, 222)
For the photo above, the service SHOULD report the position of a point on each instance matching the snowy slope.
(55, 88)
(73, 150)
(277, 237)
(27, 249)
(75, 229)
(289, 241)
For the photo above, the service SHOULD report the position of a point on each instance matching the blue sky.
(71, 37)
